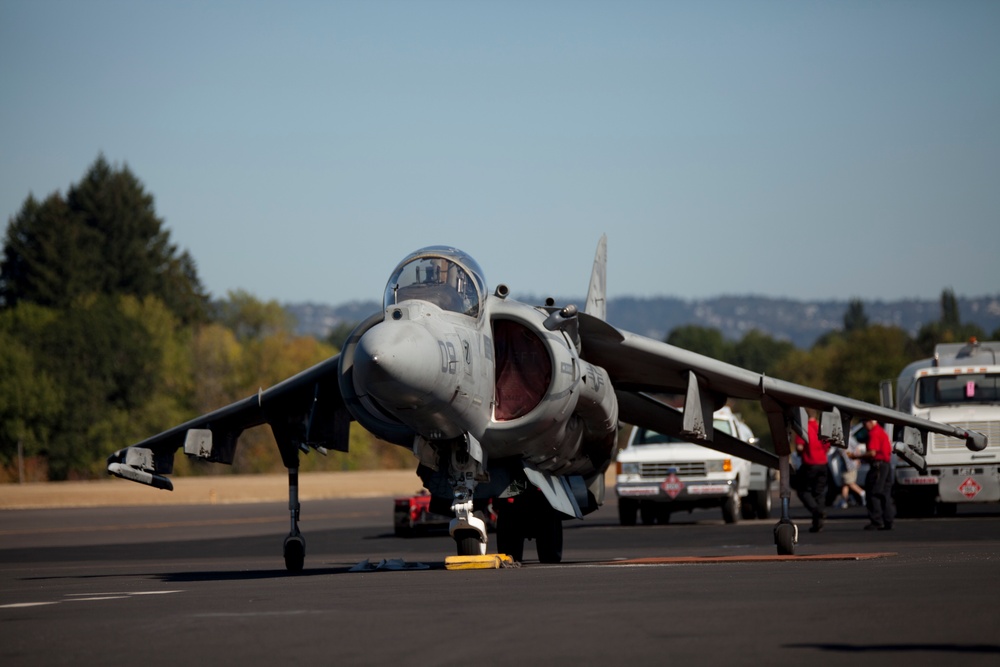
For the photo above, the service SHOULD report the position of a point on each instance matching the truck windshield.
(648, 437)
(961, 389)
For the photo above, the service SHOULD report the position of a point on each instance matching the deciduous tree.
(703, 340)
(30, 398)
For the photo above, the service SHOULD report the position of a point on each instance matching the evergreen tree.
(855, 318)
(950, 317)
(948, 329)
(44, 261)
(103, 238)
(106, 364)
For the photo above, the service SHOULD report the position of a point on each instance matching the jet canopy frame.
(442, 275)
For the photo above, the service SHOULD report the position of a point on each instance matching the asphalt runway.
(187, 585)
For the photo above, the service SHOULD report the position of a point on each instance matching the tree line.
(107, 336)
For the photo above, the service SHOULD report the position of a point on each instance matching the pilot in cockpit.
(437, 280)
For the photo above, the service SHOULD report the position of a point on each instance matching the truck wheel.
(663, 513)
(947, 509)
(764, 504)
(627, 509)
(731, 508)
(760, 501)
(919, 503)
(647, 512)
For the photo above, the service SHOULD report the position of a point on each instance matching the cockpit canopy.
(444, 276)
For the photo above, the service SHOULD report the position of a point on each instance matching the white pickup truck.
(658, 475)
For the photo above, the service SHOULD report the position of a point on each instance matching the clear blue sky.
(298, 150)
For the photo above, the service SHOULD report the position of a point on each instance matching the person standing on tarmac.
(849, 477)
(812, 483)
(878, 484)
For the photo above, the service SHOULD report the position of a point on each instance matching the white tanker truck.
(959, 385)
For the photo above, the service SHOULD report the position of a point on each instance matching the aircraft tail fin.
(597, 302)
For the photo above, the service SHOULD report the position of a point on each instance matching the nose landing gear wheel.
(468, 543)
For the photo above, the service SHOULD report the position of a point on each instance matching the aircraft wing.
(306, 410)
(647, 411)
(637, 364)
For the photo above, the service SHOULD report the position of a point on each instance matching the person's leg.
(874, 513)
(879, 500)
(888, 510)
(808, 493)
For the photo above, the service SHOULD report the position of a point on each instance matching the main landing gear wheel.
(528, 516)
(510, 536)
(295, 545)
(549, 537)
(295, 553)
(785, 538)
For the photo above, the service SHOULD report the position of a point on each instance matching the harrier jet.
(504, 400)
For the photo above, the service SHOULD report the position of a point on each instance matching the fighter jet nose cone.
(397, 363)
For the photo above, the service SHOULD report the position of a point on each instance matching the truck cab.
(658, 475)
(960, 385)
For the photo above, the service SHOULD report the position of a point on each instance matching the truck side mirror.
(885, 394)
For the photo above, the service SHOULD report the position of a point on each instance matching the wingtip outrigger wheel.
(294, 548)
(295, 553)
(786, 536)
(786, 533)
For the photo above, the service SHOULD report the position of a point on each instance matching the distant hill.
(800, 322)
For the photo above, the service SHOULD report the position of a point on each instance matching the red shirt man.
(878, 485)
(812, 476)
(879, 447)
(814, 451)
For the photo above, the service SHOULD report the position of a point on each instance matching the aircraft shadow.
(243, 575)
(991, 649)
